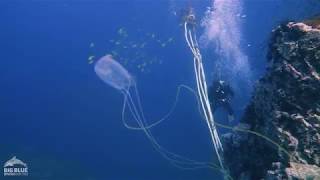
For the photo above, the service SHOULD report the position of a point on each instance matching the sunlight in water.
(222, 25)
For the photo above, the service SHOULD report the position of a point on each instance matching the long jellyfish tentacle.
(166, 116)
(201, 79)
(213, 134)
(154, 142)
(113, 74)
(177, 160)
(202, 92)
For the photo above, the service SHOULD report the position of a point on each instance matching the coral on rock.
(285, 107)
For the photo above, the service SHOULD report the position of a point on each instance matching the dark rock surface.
(285, 108)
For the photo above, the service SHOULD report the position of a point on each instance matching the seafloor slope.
(286, 108)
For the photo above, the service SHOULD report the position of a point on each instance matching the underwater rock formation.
(285, 107)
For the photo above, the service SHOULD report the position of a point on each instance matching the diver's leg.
(229, 110)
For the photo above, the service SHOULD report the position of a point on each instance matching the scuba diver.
(220, 94)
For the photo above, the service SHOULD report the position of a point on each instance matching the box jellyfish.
(114, 74)
(190, 36)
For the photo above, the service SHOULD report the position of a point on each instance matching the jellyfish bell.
(187, 15)
(113, 73)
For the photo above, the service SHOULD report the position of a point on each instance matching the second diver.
(220, 94)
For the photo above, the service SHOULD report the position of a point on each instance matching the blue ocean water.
(57, 116)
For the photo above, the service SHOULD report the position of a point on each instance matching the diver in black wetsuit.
(220, 94)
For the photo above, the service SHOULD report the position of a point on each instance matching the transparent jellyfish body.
(115, 75)
(112, 73)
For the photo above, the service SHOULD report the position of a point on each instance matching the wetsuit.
(219, 96)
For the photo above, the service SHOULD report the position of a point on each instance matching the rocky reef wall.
(285, 108)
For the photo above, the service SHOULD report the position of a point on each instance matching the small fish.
(91, 45)
(90, 58)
